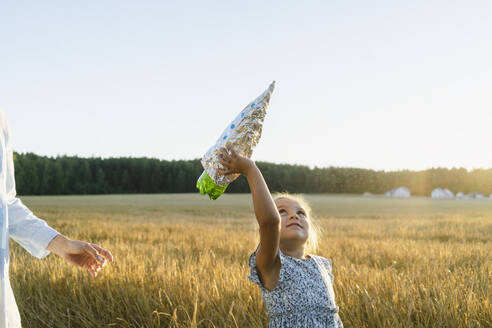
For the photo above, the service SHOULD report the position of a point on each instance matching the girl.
(296, 287)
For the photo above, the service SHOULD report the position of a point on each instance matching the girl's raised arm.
(267, 258)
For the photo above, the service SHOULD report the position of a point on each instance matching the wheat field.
(181, 261)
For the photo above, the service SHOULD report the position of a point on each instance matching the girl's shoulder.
(326, 262)
(287, 265)
(284, 259)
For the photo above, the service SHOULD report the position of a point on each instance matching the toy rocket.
(243, 134)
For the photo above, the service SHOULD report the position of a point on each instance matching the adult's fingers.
(104, 252)
(90, 263)
(96, 268)
(93, 272)
(89, 268)
(92, 252)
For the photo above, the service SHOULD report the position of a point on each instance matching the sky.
(385, 85)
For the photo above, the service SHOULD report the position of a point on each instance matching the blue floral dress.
(304, 294)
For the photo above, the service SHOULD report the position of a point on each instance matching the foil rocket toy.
(242, 135)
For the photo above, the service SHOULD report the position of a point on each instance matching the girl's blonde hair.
(314, 229)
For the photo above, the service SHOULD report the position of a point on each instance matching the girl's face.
(295, 223)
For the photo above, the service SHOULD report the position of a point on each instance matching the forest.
(69, 175)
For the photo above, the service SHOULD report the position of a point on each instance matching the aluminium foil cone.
(242, 134)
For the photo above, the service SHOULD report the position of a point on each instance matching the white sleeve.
(29, 231)
(25, 228)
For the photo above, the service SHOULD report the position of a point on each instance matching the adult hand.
(80, 253)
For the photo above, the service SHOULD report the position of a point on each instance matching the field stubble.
(181, 261)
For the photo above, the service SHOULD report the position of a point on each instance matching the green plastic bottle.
(206, 185)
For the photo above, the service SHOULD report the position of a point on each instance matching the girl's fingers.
(232, 151)
(224, 163)
(225, 154)
(224, 171)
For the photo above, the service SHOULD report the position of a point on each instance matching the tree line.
(64, 175)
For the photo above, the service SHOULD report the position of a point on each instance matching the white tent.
(474, 195)
(400, 192)
(442, 193)
(460, 195)
(490, 196)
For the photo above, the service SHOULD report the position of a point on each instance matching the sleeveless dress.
(304, 294)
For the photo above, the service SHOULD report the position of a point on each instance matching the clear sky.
(373, 84)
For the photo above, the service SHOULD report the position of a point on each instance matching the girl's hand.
(80, 253)
(233, 163)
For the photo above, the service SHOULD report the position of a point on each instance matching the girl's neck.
(296, 252)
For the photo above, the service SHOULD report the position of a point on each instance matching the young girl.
(296, 287)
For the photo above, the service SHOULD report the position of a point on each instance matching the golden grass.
(181, 261)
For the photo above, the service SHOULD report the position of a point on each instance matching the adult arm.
(35, 235)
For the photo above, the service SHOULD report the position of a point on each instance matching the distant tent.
(460, 195)
(490, 196)
(474, 195)
(400, 192)
(442, 193)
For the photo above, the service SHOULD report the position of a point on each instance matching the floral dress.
(304, 294)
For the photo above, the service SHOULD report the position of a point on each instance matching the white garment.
(18, 222)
